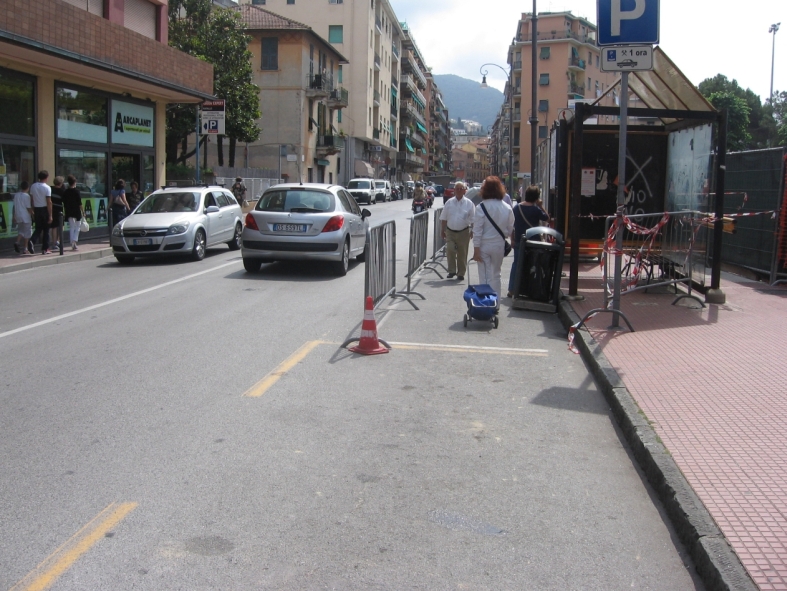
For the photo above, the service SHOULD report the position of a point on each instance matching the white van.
(383, 189)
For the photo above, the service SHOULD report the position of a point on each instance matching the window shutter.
(140, 16)
(92, 6)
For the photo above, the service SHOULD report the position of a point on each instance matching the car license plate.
(289, 227)
(143, 241)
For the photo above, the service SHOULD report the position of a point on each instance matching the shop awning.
(363, 168)
(417, 100)
(409, 145)
(421, 127)
(423, 150)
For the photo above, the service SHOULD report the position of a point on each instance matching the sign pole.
(624, 95)
(196, 150)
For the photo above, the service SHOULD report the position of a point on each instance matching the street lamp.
(774, 29)
(510, 121)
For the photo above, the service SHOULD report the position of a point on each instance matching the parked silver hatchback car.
(309, 221)
(179, 220)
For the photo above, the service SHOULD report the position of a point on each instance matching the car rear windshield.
(170, 202)
(359, 185)
(379, 184)
(298, 200)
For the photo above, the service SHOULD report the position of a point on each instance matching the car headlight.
(117, 230)
(178, 228)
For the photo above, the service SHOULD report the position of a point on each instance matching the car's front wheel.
(341, 266)
(252, 265)
(235, 243)
(198, 250)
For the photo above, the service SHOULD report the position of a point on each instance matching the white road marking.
(509, 350)
(114, 301)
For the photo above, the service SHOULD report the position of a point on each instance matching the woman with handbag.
(120, 207)
(72, 207)
(493, 223)
(526, 215)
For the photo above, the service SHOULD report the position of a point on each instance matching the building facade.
(91, 103)
(569, 69)
(412, 159)
(297, 72)
(368, 34)
(439, 136)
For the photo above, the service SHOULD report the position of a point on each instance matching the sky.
(702, 37)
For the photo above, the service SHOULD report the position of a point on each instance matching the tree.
(738, 137)
(760, 129)
(779, 110)
(217, 36)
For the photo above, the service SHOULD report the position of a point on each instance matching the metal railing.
(438, 245)
(575, 62)
(419, 235)
(659, 249)
(380, 281)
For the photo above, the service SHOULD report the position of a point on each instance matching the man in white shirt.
(456, 221)
(41, 196)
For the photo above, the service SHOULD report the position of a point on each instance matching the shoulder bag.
(507, 244)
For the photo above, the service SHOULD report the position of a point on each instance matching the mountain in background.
(466, 99)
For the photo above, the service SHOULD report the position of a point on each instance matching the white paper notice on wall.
(588, 182)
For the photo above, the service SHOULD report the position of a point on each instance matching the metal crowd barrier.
(254, 187)
(659, 249)
(438, 245)
(419, 238)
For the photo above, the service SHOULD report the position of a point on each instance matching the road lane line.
(470, 349)
(265, 383)
(114, 301)
(46, 573)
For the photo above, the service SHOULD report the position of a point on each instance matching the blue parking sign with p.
(628, 22)
(612, 55)
(213, 124)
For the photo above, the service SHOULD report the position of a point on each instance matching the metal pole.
(624, 104)
(774, 28)
(575, 198)
(715, 295)
(534, 98)
(196, 150)
(511, 133)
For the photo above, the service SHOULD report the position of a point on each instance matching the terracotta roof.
(259, 18)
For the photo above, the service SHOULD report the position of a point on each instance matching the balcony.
(378, 22)
(409, 85)
(411, 110)
(377, 61)
(576, 89)
(517, 65)
(576, 64)
(394, 81)
(416, 138)
(318, 86)
(394, 113)
(376, 133)
(409, 61)
(339, 98)
(376, 98)
(405, 158)
(395, 51)
(517, 114)
(327, 145)
(589, 37)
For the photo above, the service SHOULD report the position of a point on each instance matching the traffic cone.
(369, 344)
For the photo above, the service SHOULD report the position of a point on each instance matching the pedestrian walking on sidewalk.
(526, 215)
(239, 190)
(493, 223)
(456, 220)
(23, 216)
(119, 203)
(41, 196)
(72, 205)
(57, 211)
(134, 196)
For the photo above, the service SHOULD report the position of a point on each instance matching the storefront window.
(90, 170)
(81, 116)
(146, 185)
(17, 104)
(16, 165)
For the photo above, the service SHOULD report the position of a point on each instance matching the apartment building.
(439, 136)
(84, 86)
(368, 34)
(301, 99)
(412, 160)
(569, 69)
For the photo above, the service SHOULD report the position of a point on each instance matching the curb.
(715, 561)
(56, 259)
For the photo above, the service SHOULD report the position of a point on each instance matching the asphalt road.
(467, 459)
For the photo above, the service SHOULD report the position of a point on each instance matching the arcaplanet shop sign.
(133, 124)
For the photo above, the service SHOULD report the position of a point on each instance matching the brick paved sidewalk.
(713, 383)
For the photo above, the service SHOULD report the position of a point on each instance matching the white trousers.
(73, 229)
(489, 269)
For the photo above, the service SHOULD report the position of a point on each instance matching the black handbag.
(506, 243)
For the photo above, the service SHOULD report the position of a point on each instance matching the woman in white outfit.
(489, 244)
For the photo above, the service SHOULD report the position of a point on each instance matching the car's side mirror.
(365, 213)
(211, 209)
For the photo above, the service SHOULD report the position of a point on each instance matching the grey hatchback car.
(310, 221)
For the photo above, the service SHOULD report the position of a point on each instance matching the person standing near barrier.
(488, 240)
(456, 221)
(526, 215)
(41, 196)
(57, 211)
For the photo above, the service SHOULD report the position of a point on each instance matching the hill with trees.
(466, 99)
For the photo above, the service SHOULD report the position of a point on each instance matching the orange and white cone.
(369, 343)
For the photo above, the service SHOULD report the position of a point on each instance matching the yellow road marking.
(471, 349)
(265, 383)
(46, 573)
